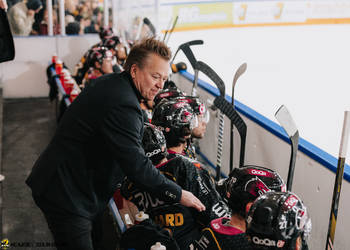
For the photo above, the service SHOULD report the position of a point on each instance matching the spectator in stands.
(21, 16)
(73, 28)
(38, 18)
(43, 26)
(70, 7)
(97, 143)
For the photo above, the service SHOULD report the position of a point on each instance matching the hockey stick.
(240, 71)
(139, 29)
(227, 109)
(150, 25)
(171, 31)
(338, 181)
(185, 47)
(286, 121)
(167, 30)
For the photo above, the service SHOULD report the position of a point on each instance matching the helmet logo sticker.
(164, 95)
(258, 172)
(290, 202)
(180, 104)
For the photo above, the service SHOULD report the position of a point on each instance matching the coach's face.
(150, 79)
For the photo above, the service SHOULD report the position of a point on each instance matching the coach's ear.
(7, 48)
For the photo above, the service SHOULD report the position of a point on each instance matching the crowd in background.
(30, 17)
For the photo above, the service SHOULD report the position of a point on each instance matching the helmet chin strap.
(188, 142)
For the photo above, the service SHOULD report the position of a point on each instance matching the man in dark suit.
(7, 49)
(98, 143)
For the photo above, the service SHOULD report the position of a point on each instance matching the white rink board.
(302, 67)
(312, 181)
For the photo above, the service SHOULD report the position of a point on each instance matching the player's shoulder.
(222, 226)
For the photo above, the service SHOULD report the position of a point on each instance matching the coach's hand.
(189, 200)
(3, 4)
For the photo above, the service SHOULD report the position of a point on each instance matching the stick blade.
(286, 121)
(240, 71)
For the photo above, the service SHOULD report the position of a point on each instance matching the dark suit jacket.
(7, 49)
(97, 143)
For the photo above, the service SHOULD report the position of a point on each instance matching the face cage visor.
(205, 117)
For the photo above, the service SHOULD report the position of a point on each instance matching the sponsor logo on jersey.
(167, 193)
(204, 189)
(144, 201)
(280, 243)
(216, 225)
(170, 220)
(156, 151)
(264, 242)
(219, 210)
(203, 242)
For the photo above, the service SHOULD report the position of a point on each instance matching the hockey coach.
(97, 143)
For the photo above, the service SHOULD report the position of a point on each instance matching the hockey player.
(177, 119)
(203, 118)
(184, 222)
(278, 220)
(119, 52)
(82, 66)
(242, 187)
(173, 93)
(100, 63)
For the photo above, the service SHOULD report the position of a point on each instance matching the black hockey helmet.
(105, 32)
(197, 105)
(111, 43)
(177, 116)
(154, 144)
(270, 177)
(169, 84)
(243, 186)
(167, 94)
(98, 55)
(276, 220)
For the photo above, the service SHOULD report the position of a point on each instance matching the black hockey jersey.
(220, 235)
(184, 222)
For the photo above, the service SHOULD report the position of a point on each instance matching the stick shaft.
(338, 181)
